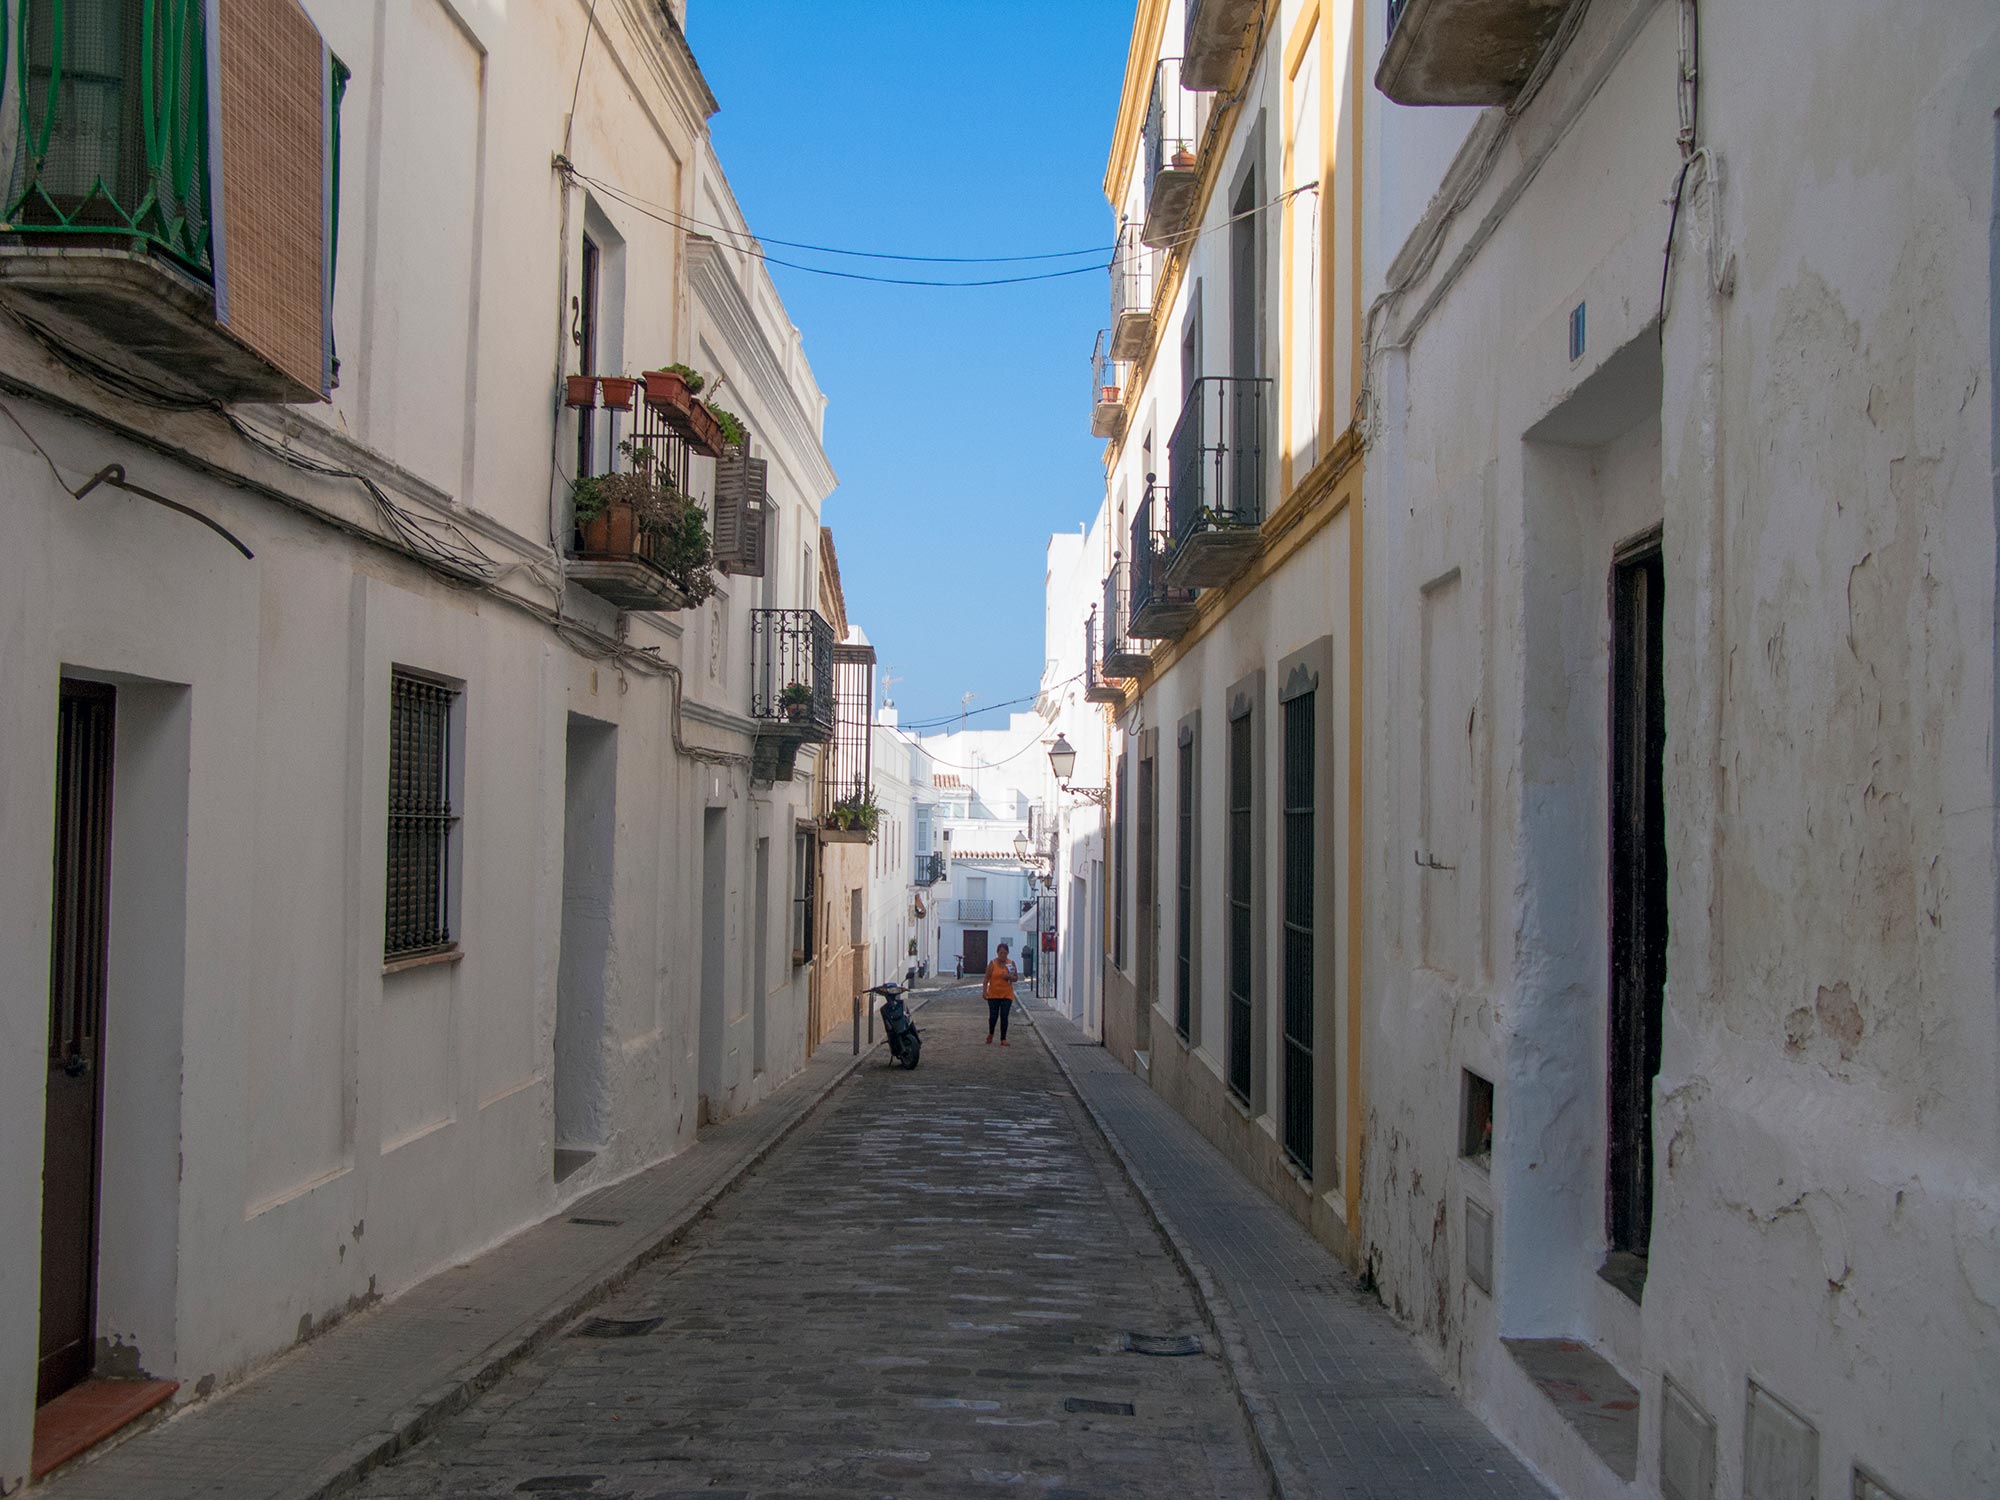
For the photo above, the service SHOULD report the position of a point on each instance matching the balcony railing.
(1215, 465)
(1160, 611)
(1107, 390)
(1096, 689)
(1123, 656)
(1465, 51)
(791, 672)
(218, 279)
(1175, 121)
(971, 909)
(113, 137)
(1217, 41)
(1131, 295)
(930, 868)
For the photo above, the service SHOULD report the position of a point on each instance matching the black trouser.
(997, 1012)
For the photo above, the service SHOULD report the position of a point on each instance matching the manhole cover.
(598, 1223)
(618, 1328)
(1100, 1408)
(556, 1482)
(1168, 1344)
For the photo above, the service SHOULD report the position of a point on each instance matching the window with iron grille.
(1242, 917)
(1298, 947)
(1116, 844)
(422, 818)
(1184, 905)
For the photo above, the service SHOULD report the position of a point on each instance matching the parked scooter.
(904, 1043)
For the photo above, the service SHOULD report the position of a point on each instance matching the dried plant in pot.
(618, 391)
(796, 699)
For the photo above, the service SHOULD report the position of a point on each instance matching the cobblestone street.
(927, 1291)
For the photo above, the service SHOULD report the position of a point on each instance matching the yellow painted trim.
(1357, 817)
(1140, 59)
(1295, 44)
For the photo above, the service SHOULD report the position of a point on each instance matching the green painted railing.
(112, 131)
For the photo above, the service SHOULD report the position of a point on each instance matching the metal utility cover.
(618, 1328)
(1165, 1344)
(1101, 1408)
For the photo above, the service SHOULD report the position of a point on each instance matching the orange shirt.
(1000, 979)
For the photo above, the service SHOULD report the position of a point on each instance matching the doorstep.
(1589, 1394)
(85, 1415)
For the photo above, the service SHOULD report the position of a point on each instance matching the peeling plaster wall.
(1827, 1142)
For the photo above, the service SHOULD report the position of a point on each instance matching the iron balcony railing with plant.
(791, 671)
(1107, 387)
(975, 909)
(1175, 120)
(1124, 655)
(111, 123)
(1215, 458)
(930, 868)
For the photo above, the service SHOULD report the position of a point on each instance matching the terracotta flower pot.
(1110, 394)
(669, 392)
(618, 391)
(580, 390)
(704, 433)
(1183, 159)
(612, 532)
(795, 710)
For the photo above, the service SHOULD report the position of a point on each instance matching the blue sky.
(958, 421)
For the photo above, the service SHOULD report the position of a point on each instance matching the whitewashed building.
(1681, 1031)
(1073, 698)
(990, 785)
(420, 857)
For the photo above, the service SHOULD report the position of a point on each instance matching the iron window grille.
(791, 668)
(850, 768)
(1242, 918)
(422, 817)
(1298, 953)
(804, 895)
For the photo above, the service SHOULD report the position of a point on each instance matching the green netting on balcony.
(108, 123)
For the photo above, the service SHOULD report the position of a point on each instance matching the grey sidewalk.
(315, 1420)
(1340, 1398)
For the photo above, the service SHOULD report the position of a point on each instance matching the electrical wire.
(943, 719)
(576, 89)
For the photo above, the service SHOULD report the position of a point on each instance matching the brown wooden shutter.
(741, 486)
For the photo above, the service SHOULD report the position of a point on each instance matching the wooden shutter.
(741, 493)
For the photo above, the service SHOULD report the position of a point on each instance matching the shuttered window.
(1241, 916)
(1184, 903)
(422, 818)
(1298, 941)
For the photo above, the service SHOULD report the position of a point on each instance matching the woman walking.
(1000, 977)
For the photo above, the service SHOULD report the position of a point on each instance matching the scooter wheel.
(910, 1050)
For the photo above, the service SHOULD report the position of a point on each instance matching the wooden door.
(973, 955)
(80, 923)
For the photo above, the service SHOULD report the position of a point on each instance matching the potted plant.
(618, 391)
(1109, 395)
(638, 515)
(1183, 159)
(673, 388)
(729, 425)
(580, 390)
(856, 813)
(795, 700)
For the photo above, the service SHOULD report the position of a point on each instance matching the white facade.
(294, 1129)
(892, 891)
(1073, 588)
(1812, 430)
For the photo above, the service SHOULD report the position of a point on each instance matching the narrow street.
(926, 1291)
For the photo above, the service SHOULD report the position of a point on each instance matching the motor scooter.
(905, 1045)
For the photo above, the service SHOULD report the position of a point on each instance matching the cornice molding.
(722, 297)
(1148, 27)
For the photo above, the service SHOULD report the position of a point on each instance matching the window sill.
(449, 955)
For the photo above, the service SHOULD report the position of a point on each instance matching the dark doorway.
(972, 957)
(1184, 898)
(1299, 998)
(78, 949)
(1149, 899)
(1638, 898)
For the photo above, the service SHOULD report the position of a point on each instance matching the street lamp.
(1022, 848)
(1062, 760)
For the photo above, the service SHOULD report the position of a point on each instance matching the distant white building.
(991, 785)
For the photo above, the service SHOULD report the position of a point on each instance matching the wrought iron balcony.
(1215, 465)
(791, 679)
(1095, 688)
(1464, 51)
(1123, 656)
(1175, 121)
(930, 868)
(121, 231)
(1107, 391)
(615, 554)
(1131, 295)
(975, 909)
(1217, 42)
(1160, 611)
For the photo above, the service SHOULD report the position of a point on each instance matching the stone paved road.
(925, 1292)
